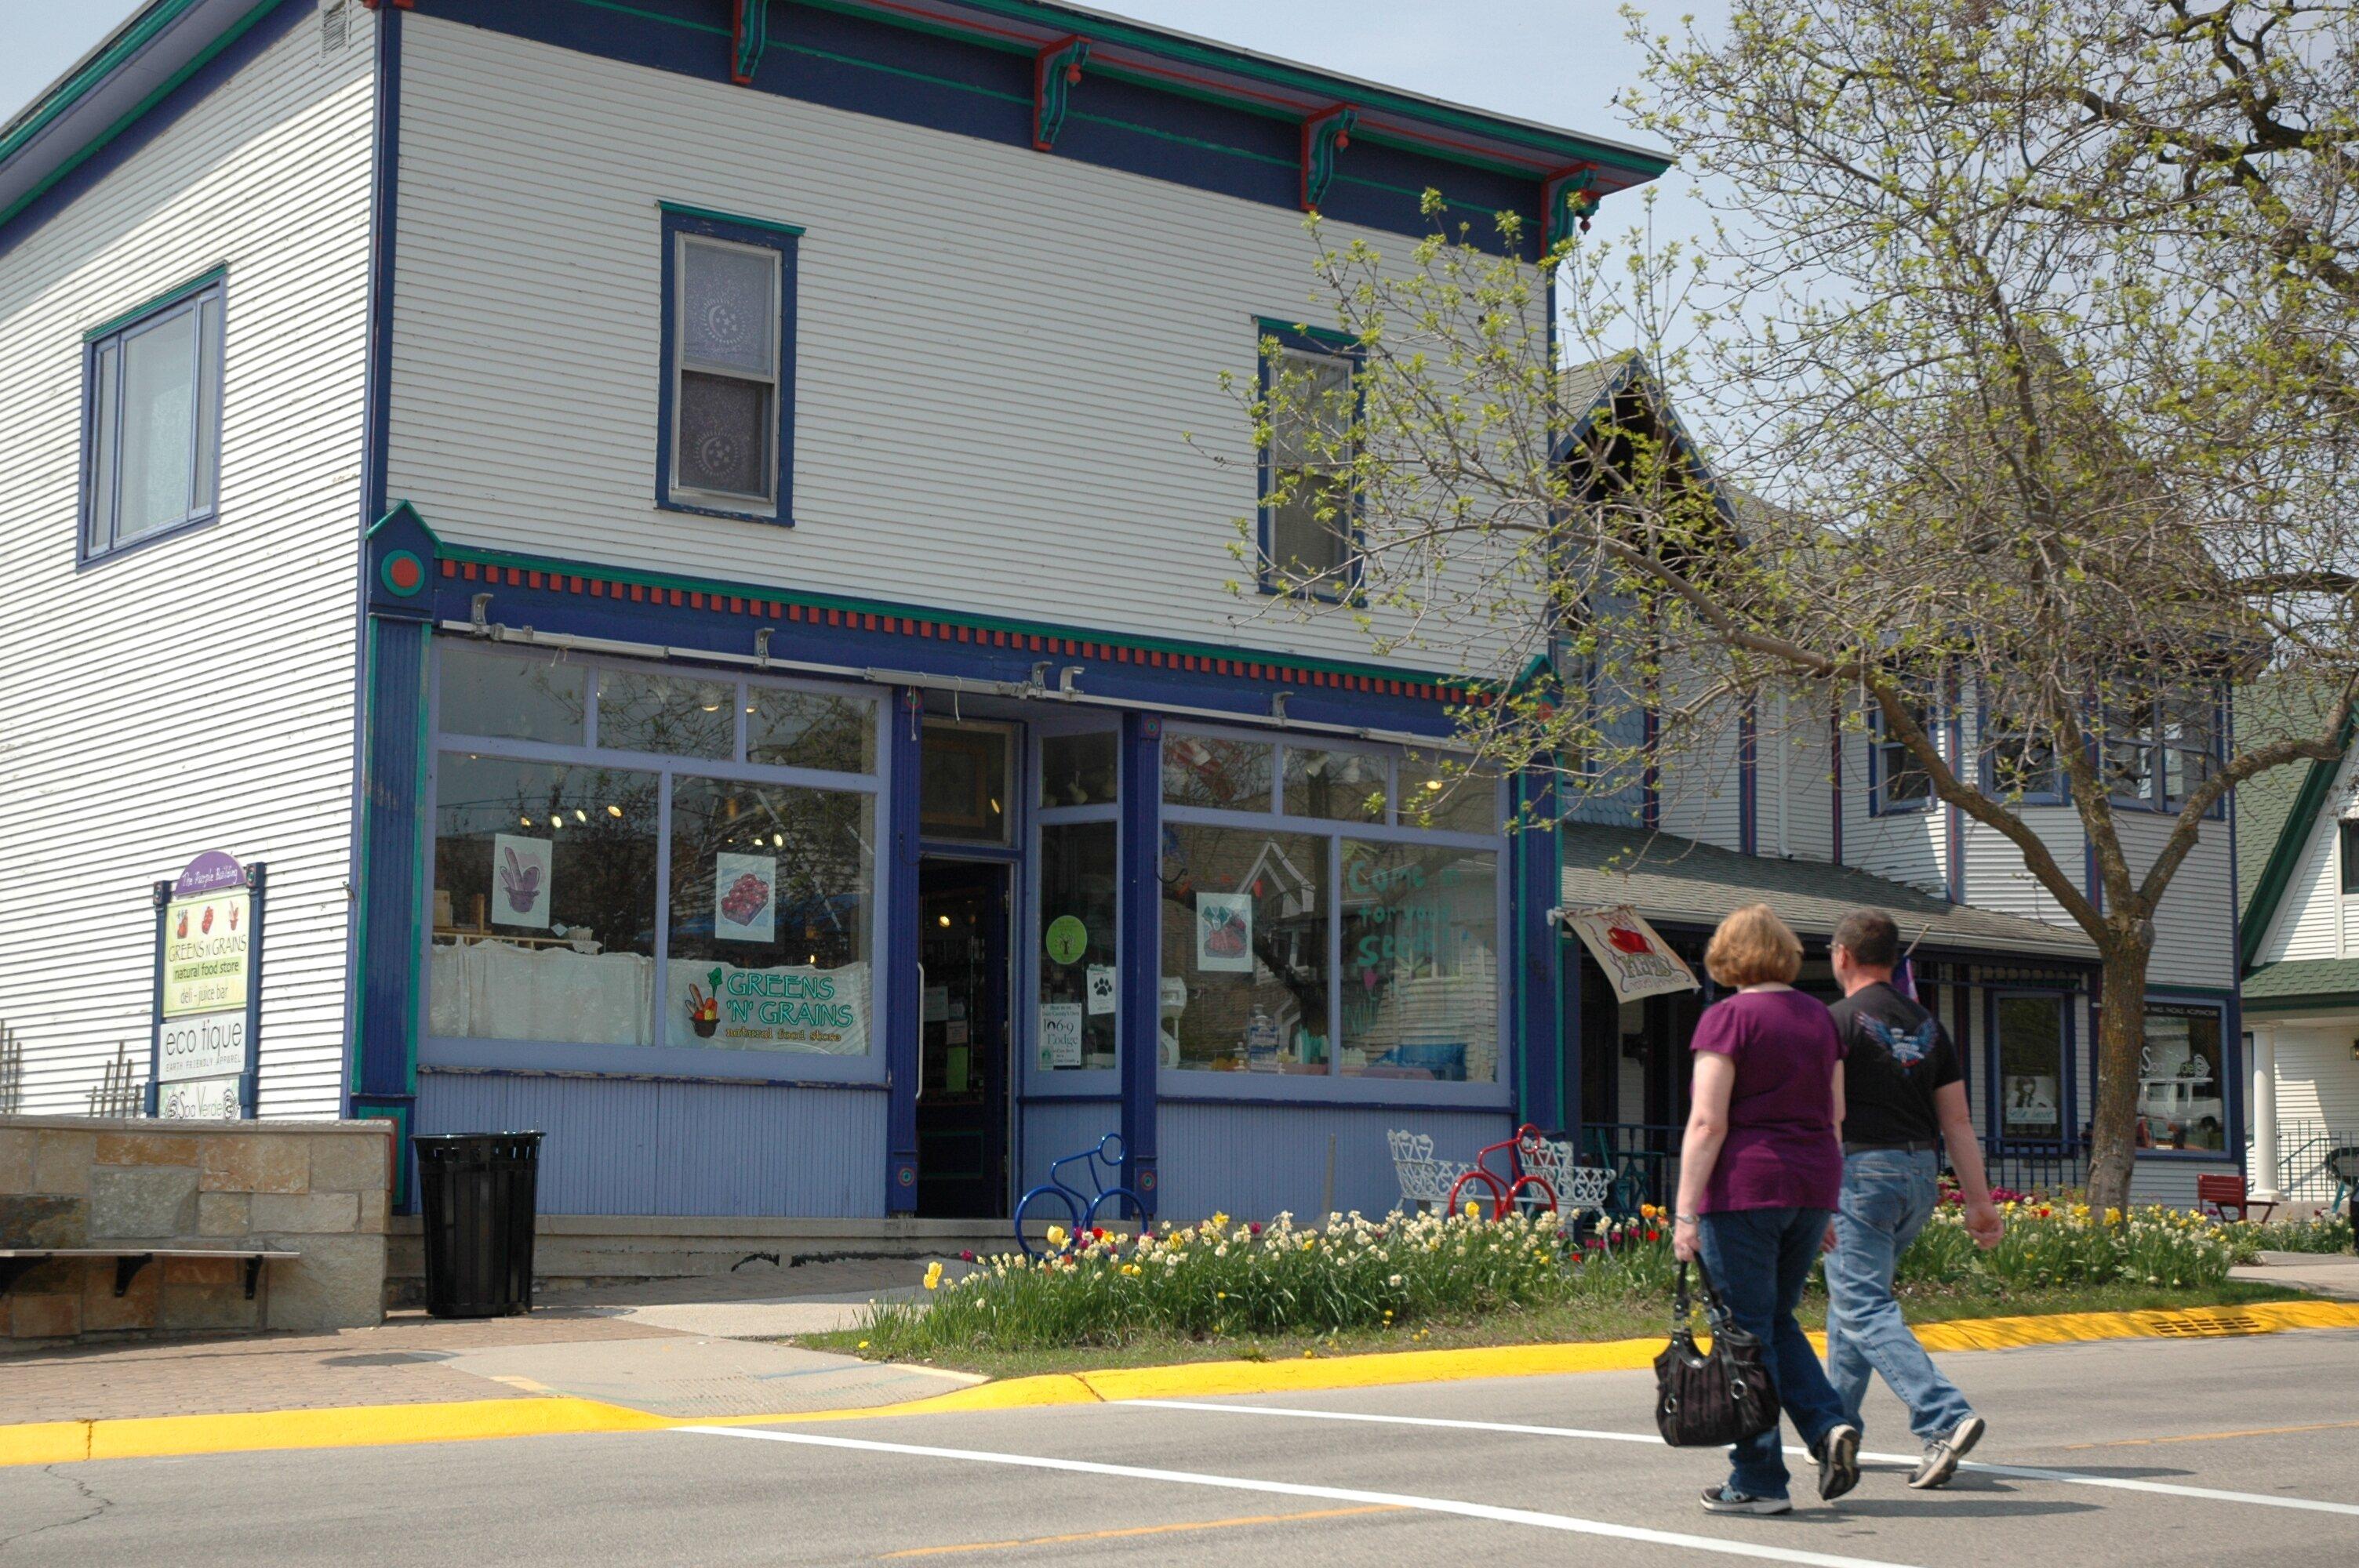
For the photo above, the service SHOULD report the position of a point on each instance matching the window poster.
(745, 898)
(1060, 1034)
(1224, 932)
(1101, 989)
(522, 873)
(2030, 1100)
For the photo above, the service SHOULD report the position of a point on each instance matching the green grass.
(1619, 1317)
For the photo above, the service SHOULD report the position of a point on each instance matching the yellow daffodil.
(933, 1276)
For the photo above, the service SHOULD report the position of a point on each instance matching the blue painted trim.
(783, 240)
(239, 47)
(1835, 743)
(1954, 829)
(187, 297)
(1138, 949)
(1877, 807)
(1748, 777)
(1535, 1002)
(389, 917)
(1398, 1106)
(2235, 1024)
(2228, 1004)
(903, 1005)
(161, 894)
(667, 1063)
(1308, 340)
(2068, 1110)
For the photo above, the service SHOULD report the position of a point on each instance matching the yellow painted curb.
(53, 1442)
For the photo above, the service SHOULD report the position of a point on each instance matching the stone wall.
(318, 1188)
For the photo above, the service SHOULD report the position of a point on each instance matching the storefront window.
(786, 729)
(1078, 770)
(1420, 979)
(674, 714)
(534, 696)
(2031, 1067)
(1216, 772)
(544, 902)
(770, 889)
(962, 788)
(1442, 791)
(1245, 933)
(546, 875)
(2181, 1079)
(1076, 952)
(1340, 786)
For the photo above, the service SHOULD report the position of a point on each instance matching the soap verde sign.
(204, 1050)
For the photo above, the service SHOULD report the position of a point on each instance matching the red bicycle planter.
(1518, 1188)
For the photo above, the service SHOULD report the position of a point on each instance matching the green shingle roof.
(2298, 984)
(1677, 881)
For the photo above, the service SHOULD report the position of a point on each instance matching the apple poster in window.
(1060, 1034)
(745, 898)
(1101, 989)
(1224, 932)
(2030, 1100)
(521, 875)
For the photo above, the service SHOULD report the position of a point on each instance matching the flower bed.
(1224, 1282)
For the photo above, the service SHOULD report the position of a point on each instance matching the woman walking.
(1760, 1175)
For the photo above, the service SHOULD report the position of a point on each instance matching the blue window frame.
(1896, 783)
(2159, 748)
(2019, 759)
(2189, 1078)
(151, 419)
(724, 441)
(1309, 513)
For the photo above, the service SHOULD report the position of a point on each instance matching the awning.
(1673, 881)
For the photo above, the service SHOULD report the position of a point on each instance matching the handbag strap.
(1715, 1310)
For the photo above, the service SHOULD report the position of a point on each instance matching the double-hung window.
(2160, 748)
(2019, 761)
(1896, 780)
(151, 449)
(1309, 384)
(726, 446)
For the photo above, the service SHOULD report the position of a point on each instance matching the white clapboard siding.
(1700, 783)
(1001, 354)
(1795, 783)
(198, 693)
(2305, 924)
(2318, 1077)
(2194, 928)
(1907, 846)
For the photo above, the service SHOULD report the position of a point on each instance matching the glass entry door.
(962, 1052)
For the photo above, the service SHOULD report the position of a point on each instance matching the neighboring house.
(670, 529)
(1795, 800)
(2301, 890)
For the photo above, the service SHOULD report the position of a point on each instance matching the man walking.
(1904, 1096)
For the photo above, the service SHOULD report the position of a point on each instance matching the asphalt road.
(2217, 1451)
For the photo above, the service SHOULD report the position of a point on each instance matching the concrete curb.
(53, 1442)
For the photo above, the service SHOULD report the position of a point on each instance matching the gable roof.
(2275, 810)
(1680, 881)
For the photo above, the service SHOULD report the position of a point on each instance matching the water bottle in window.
(1261, 1041)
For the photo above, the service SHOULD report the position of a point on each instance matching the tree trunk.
(2121, 1045)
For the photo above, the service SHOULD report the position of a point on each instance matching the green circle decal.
(1067, 939)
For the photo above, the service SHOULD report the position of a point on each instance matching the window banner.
(520, 871)
(744, 901)
(1637, 960)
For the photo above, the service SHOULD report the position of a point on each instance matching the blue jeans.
(1888, 1195)
(1761, 1259)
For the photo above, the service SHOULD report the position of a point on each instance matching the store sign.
(1637, 960)
(208, 969)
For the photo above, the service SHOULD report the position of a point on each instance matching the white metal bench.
(1580, 1189)
(1424, 1180)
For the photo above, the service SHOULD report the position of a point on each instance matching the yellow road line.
(51, 1443)
(1141, 1530)
(2219, 1437)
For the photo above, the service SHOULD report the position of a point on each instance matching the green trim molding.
(1056, 70)
(749, 35)
(2285, 855)
(1323, 135)
(163, 301)
(680, 209)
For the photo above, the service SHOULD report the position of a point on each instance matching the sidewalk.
(675, 1347)
(2322, 1273)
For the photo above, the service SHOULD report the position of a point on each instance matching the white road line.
(2021, 1472)
(1537, 1520)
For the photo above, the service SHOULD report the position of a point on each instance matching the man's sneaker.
(1942, 1454)
(1727, 1499)
(1838, 1456)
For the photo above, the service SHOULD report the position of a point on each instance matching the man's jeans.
(1888, 1195)
(1761, 1259)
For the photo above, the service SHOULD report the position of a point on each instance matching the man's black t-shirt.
(1900, 1055)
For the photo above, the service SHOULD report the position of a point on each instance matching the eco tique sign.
(208, 966)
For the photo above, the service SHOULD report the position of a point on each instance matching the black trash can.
(475, 1196)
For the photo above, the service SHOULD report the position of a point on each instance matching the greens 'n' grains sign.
(208, 967)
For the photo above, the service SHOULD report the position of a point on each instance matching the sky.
(1556, 61)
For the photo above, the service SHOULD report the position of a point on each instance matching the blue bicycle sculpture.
(1081, 1209)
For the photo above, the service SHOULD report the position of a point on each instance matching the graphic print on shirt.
(1908, 1047)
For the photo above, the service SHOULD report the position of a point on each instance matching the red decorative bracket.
(381, 4)
(749, 35)
(1568, 198)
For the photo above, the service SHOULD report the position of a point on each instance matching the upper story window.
(727, 442)
(1896, 780)
(2349, 830)
(151, 453)
(2160, 749)
(2019, 761)
(1308, 515)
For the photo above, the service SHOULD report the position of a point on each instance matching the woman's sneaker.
(1838, 1456)
(1942, 1454)
(1727, 1499)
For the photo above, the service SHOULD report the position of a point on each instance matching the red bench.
(2218, 1194)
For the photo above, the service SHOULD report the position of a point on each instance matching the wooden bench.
(2221, 1193)
(130, 1259)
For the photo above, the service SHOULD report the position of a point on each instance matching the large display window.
(634, 857)
(2183, 1079)
(2032, 1046)
(1329, 911)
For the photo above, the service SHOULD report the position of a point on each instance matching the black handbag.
(1710, 1400)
